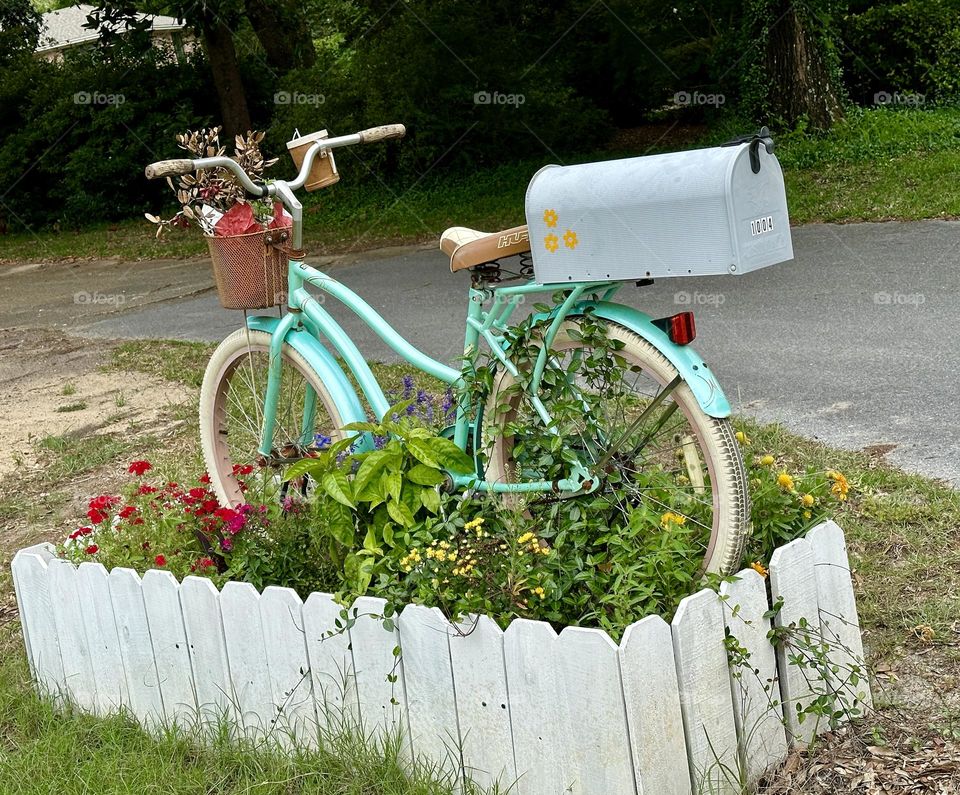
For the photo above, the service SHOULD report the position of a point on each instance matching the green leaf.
(388, 534)
(340, 521)
(450, 456)
(362, 427)
(337, 485)
(371, 466)
(423, 452)
(430, 499)
(305, 466)
(424, 475)
(371, 543)
(400, 513)
(392, 484)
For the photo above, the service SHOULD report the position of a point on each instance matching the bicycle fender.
(324, 364)
(693, 370)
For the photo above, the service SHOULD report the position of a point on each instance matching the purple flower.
(322, 442)
(226, 545)
(407, 386)
(448, 405)
(379, 442)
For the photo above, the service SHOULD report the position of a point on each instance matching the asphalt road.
(854, 342)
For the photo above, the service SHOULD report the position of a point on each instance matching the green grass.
(69, 456)
(79, 405)
(878, 164)
(47, 750)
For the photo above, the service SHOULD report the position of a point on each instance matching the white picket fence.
(663, 713)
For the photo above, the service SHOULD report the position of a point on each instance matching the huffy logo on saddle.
(508, 240)
(496, 98)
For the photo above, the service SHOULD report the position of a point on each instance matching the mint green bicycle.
(656, 424)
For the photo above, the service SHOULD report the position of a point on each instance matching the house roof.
(64, 27)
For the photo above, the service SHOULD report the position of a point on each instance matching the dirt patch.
(53, 386)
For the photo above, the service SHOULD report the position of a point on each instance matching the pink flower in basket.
(238, 220)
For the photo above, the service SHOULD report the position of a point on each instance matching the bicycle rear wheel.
(231, 419)
(627, 416)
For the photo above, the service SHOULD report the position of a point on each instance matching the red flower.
(160, 560)
(145, 545)
(92, 549)
(204, 478)
(146, 488)
(197, 493)
(84, 531)
(203, 563)
(138, 520)
(103, 502)
(139, 467)
(226, 545)
(127, 511)
(96, 516)
(246, 469)
(209, 506)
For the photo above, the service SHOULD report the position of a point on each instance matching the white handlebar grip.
(166, 168)
(384, 133)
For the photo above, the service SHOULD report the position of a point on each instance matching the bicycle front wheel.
(621, 410)
(231, 419)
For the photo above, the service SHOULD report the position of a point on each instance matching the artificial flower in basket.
(248, 263)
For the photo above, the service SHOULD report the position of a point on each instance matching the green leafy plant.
(369, 503)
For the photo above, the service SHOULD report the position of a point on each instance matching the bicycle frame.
(306, 312)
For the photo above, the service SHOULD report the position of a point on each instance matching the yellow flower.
(451, 556)
(759, 568)
(551, 243)
(539, 592)
(473, 524)
(570, 239)
(840, 486)
(785, 482)
(550, 218)
(807, 500)
(807, 515)
(525, 538)
(766, 461)
(742, 437)
(672, 518)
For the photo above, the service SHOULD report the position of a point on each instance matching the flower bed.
(706, 698)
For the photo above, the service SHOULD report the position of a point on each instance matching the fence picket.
(36, 615)
(652, 697)
(382, 701)
(281, 611)
(593, 695)
(331, 663)
(70, 620)
(161, 598)
(755, 684)
(483, 705)
(247, 656)
(540, 740)
(705, 698)
(136, 651)
(839, 622)
(793, 580)
(106, 663)
(428, 684)
(200, 603)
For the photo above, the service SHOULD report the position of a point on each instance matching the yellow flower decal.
(550, 218)
(551, 243)
(570, 239)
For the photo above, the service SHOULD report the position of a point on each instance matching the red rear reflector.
(681, 329)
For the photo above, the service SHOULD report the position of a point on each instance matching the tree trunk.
(282, 31)
(800, 84)
(222, 57)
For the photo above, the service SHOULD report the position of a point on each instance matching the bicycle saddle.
(468, 248)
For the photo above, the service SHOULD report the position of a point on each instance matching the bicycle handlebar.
(166, 168)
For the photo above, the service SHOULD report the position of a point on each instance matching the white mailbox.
(700, 213)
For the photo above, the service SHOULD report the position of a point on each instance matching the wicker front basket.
(250, 273)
